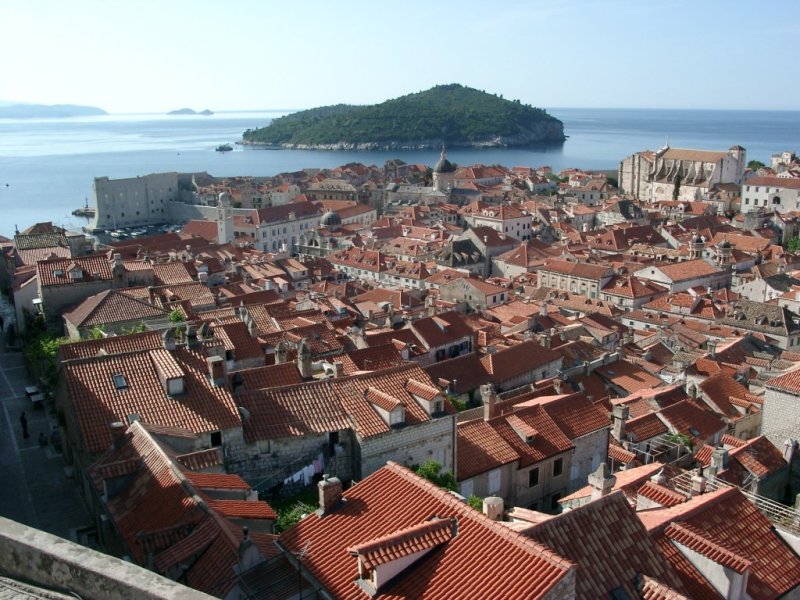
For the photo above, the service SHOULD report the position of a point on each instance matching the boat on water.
(224, 148)
(84, 211)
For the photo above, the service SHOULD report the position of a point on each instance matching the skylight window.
(120, 382)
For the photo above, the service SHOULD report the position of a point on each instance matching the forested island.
(451, 114)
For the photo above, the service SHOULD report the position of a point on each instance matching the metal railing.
(780, 515)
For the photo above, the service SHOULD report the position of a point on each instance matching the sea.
(47, 165)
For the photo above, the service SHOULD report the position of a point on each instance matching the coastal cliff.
(452, 114)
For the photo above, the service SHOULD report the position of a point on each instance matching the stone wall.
(46, 560)
(780, 418)
(133, 201)
(590, 451)
(411, 445)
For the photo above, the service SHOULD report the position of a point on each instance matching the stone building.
(654, 176)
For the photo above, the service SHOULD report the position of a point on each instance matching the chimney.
(304, 360)
(191, 337)
(601, 481)
(338, 368)
(619, 415)
(118, 434)
(493, 507)
(719, 461)
(489, 401)
(660, 478)
(216, 370)
(330, 494)
(544, 339)
(281, 353)
(789, 449)
(711, 345)
(168, 339)
(543, 309)
(698, 483)
(557, 383)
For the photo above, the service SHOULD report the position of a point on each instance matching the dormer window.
(120, 382)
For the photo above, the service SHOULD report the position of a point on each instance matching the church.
(680, 173)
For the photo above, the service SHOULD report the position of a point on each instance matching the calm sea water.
(47, 166)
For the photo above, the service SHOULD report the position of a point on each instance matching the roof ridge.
(701, 542)
(467, 511)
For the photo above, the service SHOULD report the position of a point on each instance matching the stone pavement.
(34, 488)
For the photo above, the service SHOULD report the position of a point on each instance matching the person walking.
(23, 420)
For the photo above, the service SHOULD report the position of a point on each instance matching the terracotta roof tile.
(726, 517)
(510, 363)
(393, 499)
(608, 543)
(243, 509)
(97, 400)
(693, 538)
(661, 494)
(404, 542)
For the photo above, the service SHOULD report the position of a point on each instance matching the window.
(216, 439)
(120, 382)
(558, 467)
(493, 485)
(533, 477)
(263, 447)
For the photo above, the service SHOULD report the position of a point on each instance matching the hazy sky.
(154, 56)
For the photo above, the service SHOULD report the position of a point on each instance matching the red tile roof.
(609, 544)
(217, 481)
(729, 519)
(97, 401)
(576, 269)
(661, 494)
(442, 329)
(404, 542)
(57, 271)
(645, 427)
(333, 405)
(243, 509)
(627, 376)
(693, 538)
(112, 306)
(691, 419)
(480, 449)
(394, 499)
(513, 362)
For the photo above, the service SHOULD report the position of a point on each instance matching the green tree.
(755, 165)
(176, 316)
(475, 502)
(432, 471)
(98, 332)
(41, 358)
(793, 245)
(677, 189)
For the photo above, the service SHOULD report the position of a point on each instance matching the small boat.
(224, 148)
(85, 211)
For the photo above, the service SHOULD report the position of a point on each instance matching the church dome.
(330, 219)
(444, 165)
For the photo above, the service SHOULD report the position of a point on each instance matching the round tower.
(443, 173)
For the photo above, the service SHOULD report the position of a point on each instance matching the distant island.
(48, 111)
(451, 114)
(189, 111)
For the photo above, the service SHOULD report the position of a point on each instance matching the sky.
(158, 55)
